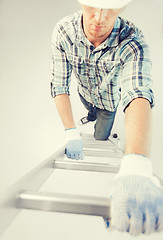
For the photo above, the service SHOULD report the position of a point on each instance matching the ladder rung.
(99, 149)
(101, 153)
(85, 166)
(93, 147)
(98, 143)
(31, 181)
(99, 146)
(67, 203)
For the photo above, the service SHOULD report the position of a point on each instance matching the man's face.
(98, 23)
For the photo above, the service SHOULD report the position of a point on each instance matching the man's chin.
(97, 34)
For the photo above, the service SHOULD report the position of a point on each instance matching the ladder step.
(66, 203)
(99, 146)
(97, 142)
(102, 153)
(93, 147)
(85, 166)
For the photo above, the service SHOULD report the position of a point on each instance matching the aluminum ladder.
(25, 195)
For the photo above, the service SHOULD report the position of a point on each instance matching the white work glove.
(136, 197)
(74, 146)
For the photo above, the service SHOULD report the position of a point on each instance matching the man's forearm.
(65, 111)
(138, 127)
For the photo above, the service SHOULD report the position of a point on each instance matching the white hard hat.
(110, 4)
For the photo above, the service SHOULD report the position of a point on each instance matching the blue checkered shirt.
(119, 68)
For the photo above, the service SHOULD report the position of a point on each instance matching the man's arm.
(65, 111)
(136, 194)
(138, 127)
(74, 146)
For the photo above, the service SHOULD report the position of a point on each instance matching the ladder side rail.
(31, 181)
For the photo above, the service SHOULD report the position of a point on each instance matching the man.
(110, 59)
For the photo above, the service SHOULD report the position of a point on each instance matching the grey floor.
(30, 127)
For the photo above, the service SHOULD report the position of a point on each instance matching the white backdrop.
(30, 129)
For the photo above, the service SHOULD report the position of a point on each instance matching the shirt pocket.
(105, 67)
(110, 70)
(110, 74)
(77, 63)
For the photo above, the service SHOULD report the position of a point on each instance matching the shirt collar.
(111, 41)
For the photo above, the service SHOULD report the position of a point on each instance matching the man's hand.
(74, 146)
(136, 197)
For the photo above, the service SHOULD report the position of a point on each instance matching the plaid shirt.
(120, 68)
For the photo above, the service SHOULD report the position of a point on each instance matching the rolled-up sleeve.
(136, 81)
(61, 68)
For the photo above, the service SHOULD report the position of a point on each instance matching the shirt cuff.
(59, 90)
(129, 96)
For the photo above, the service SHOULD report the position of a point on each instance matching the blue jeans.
(104, 122)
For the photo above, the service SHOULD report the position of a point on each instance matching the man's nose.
(100, 16)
